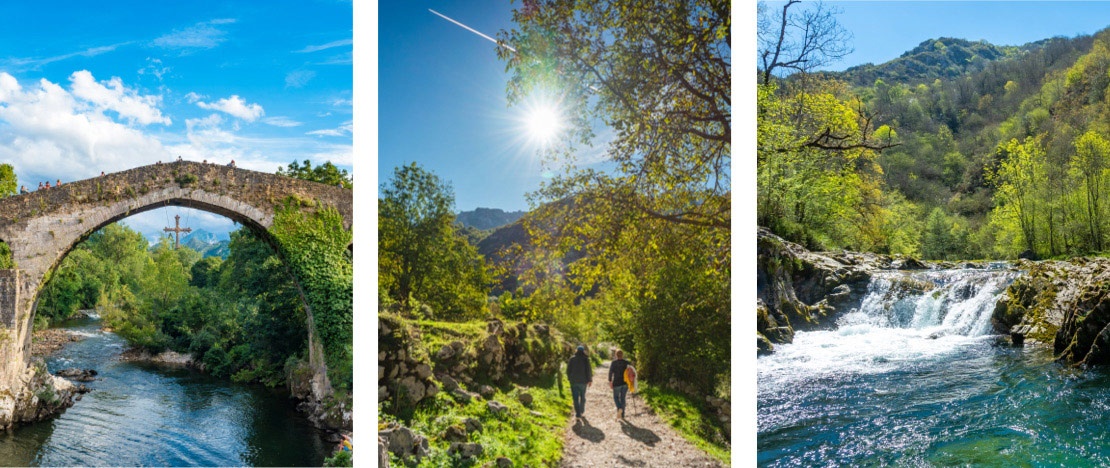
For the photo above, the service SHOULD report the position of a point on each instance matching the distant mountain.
(488, 218)
(941, 58)
(207, 243)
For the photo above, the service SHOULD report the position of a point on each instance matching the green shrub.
(341, 458)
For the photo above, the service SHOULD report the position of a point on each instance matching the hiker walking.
(617, 383)
(580, 376)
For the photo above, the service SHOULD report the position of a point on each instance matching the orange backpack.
(630, 378)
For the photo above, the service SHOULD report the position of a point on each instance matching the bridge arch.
(42, 227)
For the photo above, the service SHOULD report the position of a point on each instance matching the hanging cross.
(177, 230)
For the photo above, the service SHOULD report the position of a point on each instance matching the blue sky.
(87, 87)
(884, 30)
(442, 102)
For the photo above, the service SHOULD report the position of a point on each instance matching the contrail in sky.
(475, 31)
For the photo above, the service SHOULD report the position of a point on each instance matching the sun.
(542, 121)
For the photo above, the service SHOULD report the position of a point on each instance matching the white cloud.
(316, 48)
(53, 133)
(128, 103)
(339, 102)
(281, 122)
(235, 106)
(34, 63)
(154, 67)
(75, 130)
(343, 130)
(340, 59)
(298, 78)
(199, 36)
(194, 97)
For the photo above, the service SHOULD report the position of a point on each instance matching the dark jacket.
(616, 372)
(578, 369)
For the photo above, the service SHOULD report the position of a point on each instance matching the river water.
(147, 415)
(916, 378)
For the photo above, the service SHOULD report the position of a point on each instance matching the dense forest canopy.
(956, 149)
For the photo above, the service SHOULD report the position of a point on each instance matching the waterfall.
(936, 302)
(905, 319)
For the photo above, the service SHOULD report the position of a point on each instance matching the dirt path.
(641, 440)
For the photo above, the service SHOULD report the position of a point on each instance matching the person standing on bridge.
(617, 383)
(580, 376)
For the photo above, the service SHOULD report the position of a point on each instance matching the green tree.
(1092, 154)
(421, 255)
(8, 182)
(658, 75)
(325, 173)
(1018, 179)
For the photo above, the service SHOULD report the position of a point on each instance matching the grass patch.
(436, 334)
(690, 418)
(525, 438)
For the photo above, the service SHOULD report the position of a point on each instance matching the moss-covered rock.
(1066, 303)
(802, 290)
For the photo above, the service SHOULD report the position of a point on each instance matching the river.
(147, 415)
(919, 379)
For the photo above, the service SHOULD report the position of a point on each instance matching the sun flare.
(542, 122)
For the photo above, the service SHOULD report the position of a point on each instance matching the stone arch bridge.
(42, 227)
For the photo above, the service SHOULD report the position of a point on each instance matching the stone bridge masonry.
(43, 226)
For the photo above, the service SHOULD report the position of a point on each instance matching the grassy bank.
(527, 436)
(690, 418)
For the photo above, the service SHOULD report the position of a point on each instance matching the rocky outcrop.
(1066, 303)
(41, 396)
(332, 413)
(802, 290)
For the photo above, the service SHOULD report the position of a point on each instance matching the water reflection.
(142, 415)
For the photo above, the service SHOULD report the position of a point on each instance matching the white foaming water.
(904, 319)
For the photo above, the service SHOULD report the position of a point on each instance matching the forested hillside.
(956, 149)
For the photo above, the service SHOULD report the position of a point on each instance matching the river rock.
(80, 375)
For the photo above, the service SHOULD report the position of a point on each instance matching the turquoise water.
(146, 415)
(873, 393)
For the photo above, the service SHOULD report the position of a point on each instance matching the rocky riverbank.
(1065, 304)
(1060, 303)
(41, 395)
(49, 341)
(802, 290)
